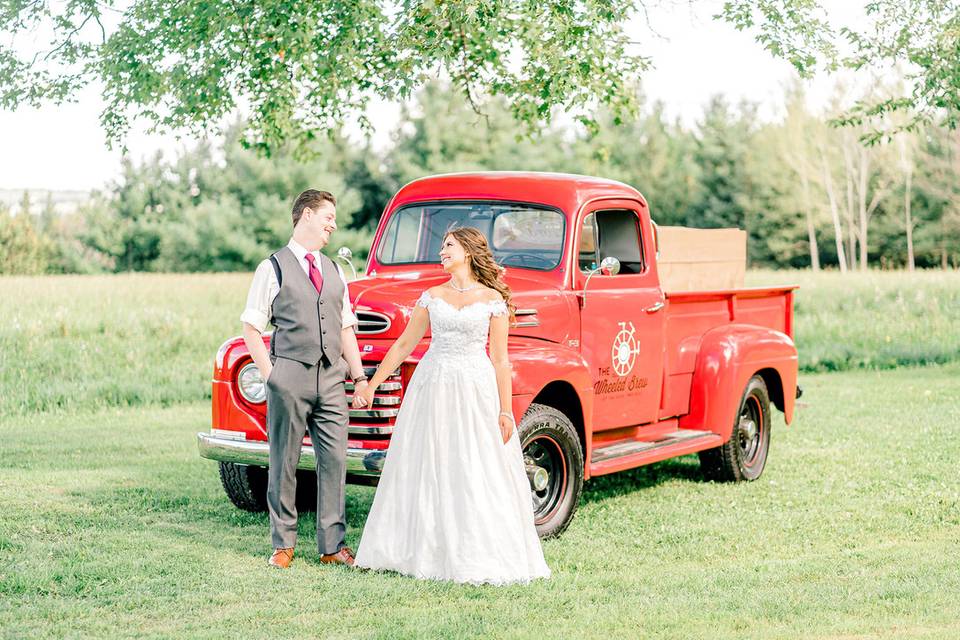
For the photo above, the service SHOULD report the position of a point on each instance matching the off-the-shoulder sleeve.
(498, 308)
(424, 299)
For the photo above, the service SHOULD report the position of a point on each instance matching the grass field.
(77, 342)
(113, 527)
(873, 320)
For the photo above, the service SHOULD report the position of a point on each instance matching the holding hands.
(363, 394)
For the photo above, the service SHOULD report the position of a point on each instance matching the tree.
(920, 35)
(367, 175)
(304, 67)
(870, 186)
(800, 128)
(441, 133)
(22, 249)
(647, 153)
(779, 211)
(834, 200)
(721, 147)
(26, 205)
(905, 148)
(197, 213)
(936, 198)
(47, 219)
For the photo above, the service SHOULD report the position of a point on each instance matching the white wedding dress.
(453, 502)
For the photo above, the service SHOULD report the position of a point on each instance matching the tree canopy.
(917, 38)
(298, 68)
(295, 69)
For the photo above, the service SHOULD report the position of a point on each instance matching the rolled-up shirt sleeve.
(347, 317)
(257, 311)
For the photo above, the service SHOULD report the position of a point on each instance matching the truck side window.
(611, 233)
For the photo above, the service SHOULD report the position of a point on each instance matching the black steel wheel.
(245, 486)
(744, 455)
(554, 461)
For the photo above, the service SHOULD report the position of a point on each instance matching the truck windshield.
(520, 235)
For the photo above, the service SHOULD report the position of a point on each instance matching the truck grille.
(380, 418)
(370, 323)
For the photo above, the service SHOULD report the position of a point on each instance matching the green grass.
(873, 320)
(112, 526)
(75, 342)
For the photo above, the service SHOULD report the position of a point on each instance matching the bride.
(453, 502)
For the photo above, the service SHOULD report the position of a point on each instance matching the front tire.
(246, 486)
(554, 460)
(744, 456)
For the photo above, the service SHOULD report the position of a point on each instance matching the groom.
(303, 294)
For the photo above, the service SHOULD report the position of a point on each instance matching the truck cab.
(610, 371)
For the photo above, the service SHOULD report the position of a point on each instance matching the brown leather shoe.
(344, 556)
(281, 558)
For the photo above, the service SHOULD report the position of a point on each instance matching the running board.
(634, 453)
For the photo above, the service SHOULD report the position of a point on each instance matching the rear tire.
(744, 456)
(246, 486)
(549, 441)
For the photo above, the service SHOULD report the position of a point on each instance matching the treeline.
(807, 193)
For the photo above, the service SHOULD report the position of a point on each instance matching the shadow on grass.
(624, 482)
(203, 514)
(209, 515)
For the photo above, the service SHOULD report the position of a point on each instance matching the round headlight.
(251, 384)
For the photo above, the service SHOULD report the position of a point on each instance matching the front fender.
(728, 357)
(230, 411)
(537, 363)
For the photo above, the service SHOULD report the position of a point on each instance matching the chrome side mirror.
(608, 266)
(345, 254)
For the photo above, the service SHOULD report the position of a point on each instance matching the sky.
(695, 57)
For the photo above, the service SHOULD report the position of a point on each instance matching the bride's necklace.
(473, 286)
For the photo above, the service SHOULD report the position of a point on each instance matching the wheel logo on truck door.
(625, 349)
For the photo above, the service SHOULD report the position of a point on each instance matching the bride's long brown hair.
(485, 268)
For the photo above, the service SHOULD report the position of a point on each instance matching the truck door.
(622, 322)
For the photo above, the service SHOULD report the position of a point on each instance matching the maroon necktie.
(315, 276)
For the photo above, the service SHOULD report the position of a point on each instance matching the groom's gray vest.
(307, 324)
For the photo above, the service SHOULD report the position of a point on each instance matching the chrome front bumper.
(364, 464)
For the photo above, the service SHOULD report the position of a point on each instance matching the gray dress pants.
(303, 398)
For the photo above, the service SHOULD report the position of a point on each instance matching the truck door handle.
(654, 308)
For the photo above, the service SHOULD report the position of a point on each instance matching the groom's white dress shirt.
(264, 290)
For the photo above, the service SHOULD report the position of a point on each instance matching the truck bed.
(690, 314)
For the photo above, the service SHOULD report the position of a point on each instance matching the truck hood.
(545, 311)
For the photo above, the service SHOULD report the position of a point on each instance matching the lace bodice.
(459, 331)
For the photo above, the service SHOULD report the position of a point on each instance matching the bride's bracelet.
(509, 415)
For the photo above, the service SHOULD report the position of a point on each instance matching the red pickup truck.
(610, 372)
